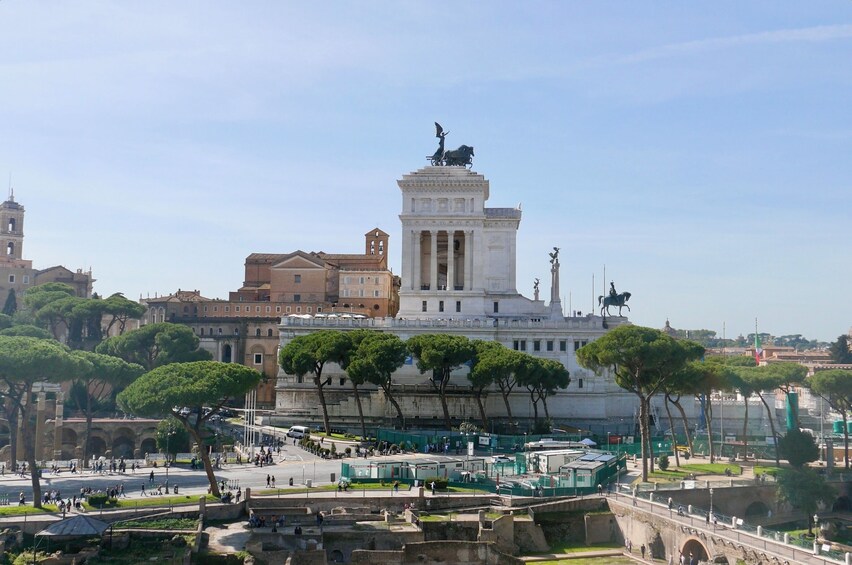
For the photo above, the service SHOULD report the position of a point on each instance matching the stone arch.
(227, 353)
(4, 433)
(122, 446)
(148, 445)
(69, 436)
(842, 504)
(336, 556)
(696, 548)
(97, 446)
(756, 509)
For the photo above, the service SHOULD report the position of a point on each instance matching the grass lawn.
(21, 510)
(577, 547)
(761, 469)
(682, 472)
(614, 560)
(153, 501)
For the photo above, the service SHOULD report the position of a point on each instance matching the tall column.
(468, 260)
(451, 259)
(417, 280)
(57, 426)
(433, 262)
(41, 405)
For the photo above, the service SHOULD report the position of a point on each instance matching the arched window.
(202, 331)
(10, 248)
(269, 332)
(12, 224)
(257, 332)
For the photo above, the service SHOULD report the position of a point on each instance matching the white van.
(298, 432)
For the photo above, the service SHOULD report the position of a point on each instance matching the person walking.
(267, 481)
(273, 481)
(143, 490)
(642, 550)
(432, 486)
(151, 477)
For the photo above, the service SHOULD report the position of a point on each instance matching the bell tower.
(376, 243)
(11, 228)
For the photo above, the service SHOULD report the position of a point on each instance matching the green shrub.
(663, 462)
(440, 483)
(100, 499)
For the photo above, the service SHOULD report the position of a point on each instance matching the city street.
(293, 462)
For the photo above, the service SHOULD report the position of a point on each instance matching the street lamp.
(711, 503)
(170, 431)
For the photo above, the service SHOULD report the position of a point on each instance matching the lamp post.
(711, 503)
(170, 431)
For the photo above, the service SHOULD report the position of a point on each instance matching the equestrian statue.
(614, 299)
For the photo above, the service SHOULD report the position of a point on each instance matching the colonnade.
(443, 255)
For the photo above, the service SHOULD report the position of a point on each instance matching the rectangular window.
(579, 343)
(523, 345)
(496, 307)
(215, 308)
(440, 306)
(361, 292)
(297, 279)
(268, 309)
(227, 308)
(458, 305)
(236, 308)
(347, 280)
(360, 280)
(537, 345)
(376, 294)
(515, 345)
(288, 309)
(258, 358)
(278, 309)
(550, 345)
(297, 298)
(308, 309)
(205, 308)
(319, 308)
(579, 383)
(26, 279)
(11, 278)
(423, 306)
(298, 309)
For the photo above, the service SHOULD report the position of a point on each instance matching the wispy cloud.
(809, 34)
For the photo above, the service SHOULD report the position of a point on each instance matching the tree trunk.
(708, 417)
(546, 411)
(325, 422)
(680, 409)
(505, 392)
(442, 393)
(535, 409)
(205, 460)
(772, 426)
(671, 425)
(395, 404)
(648, 435)
(360, 410)
(14, 413)
(482, 410)
(29, 445)
(745, 432)
(845, 439)
(643, 420)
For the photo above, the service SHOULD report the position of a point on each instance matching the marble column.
(468, 259)
(417, 254)
(57, 426)
(451, 259)
(433, 262)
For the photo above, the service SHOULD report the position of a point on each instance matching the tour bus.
(298, 432)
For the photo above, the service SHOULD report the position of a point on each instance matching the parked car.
(501, 460)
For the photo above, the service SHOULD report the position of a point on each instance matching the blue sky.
(700, 151)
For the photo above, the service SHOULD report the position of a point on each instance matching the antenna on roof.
(11, 190)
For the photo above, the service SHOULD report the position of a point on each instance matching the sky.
(698, 153)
